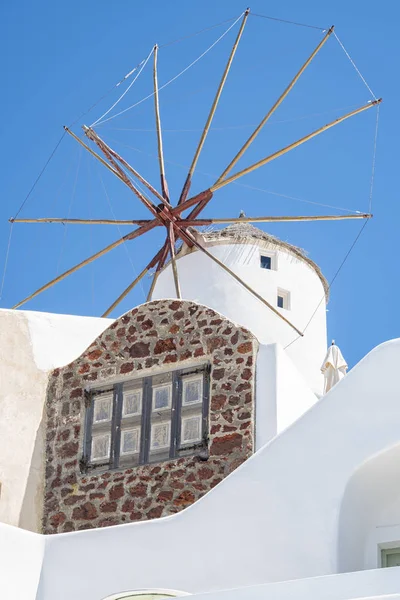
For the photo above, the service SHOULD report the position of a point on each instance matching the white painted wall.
(276, 517)
(21, 558)
(282, 394)
(31, 344)
(217, 289)
(370, 513)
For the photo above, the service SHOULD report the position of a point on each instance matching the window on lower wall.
(390, 557)
(147, 420)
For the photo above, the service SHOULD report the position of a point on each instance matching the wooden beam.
(242, 283)
(84, 221)
(283, 151)
(125, 164)
(275, 106)
(171, 240)
(132, 285)
(282, 219)
(129, 236)
(211, 114)
(158, 269)
(93, 153)
(164, 186)
(104, 148)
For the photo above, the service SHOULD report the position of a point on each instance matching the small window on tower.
(283, 299)
(265, 262)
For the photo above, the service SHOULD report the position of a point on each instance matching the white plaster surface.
(282, 395)
(21, 558)
(31, 344)
(276, 518)
(217, 289)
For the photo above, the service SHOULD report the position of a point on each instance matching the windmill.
(167, 213)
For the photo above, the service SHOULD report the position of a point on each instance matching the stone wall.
(155, 337)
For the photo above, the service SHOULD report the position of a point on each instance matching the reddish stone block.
(108, 507)
(165, 496)
(226, 444)
(215, 482)
(86, 512)
(245, 425)
(215, 342)
(95, 354)
(174, 328)
(139, 490)
(205, 473)
(87, 488)
(74, 499)
(185, 498)
(76, 393)
(218, 401)
(97, 496)
(126, 368)
(245, 347)
(191, 477)
(128, 506)
(155, 513)
(57, 519)
(165, 345)
(244, 415)
(246, 374)
(175, 305)
(235, 338)
(170, 358)
(243, 386)
(139, 350)
(84, 368)
(198, 352)
(218, 374)
(116, 491)
(228, 428)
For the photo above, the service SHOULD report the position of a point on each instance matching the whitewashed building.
(298, 495)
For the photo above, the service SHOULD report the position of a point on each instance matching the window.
(147, 420)
(265, 262)
(390, 557)
(283, 299)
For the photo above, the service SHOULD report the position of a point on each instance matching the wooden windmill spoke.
(243, 283)
(130, 287)
(214, 105)
(275, 106)
(93, 153)
(283, 151)
(164, 186)
(104, 148)
(281, 219)
(159, 266)
(129, 236)
(123, 162)
(84, 221)
(171, 240)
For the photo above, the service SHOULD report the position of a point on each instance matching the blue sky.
(60, 58)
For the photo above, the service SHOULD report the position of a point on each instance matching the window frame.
(385, 552)
(286, 297)
(143, 421)
(272, 256)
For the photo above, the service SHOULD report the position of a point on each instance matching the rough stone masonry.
(158, 336)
